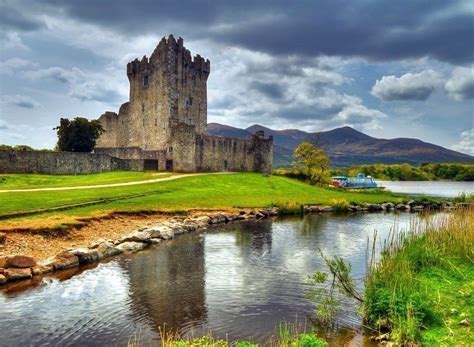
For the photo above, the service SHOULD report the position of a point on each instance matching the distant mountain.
(347, 146)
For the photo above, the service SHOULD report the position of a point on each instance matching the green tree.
(312, 161)
(78, 135)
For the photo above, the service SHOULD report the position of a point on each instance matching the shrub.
(340, 205)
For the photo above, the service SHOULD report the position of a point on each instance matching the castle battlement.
(169, 53)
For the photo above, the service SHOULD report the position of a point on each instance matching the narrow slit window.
(145, 80)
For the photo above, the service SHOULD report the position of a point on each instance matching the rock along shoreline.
(20, 267)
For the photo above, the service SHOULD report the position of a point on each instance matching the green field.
(44, 181)
(206, 191)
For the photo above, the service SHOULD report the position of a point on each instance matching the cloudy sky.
(388, 68)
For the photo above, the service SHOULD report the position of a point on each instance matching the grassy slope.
(25, 181)
(208, 191)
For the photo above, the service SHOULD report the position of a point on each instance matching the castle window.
(170, 149)
(143, 107)
(145, 80)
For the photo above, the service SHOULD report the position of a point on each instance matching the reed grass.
(288, 335)
(400, 288)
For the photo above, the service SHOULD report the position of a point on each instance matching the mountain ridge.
(347, 146)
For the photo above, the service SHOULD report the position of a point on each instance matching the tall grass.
(288, 335)
(395, 299)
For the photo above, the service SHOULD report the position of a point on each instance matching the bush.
(291, 208)
(340, 205)
(310, 340)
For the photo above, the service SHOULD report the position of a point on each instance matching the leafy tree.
(312, 161)
(78, 135)
(5, 147)
(23, 148)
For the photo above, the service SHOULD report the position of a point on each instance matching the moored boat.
(358, 182)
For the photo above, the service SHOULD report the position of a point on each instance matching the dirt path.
(110, 185)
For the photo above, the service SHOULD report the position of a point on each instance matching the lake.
(447, 189)
(238, 280)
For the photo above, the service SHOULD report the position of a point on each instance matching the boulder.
(401, 207)
(137, 236)
(65, 260)
(97, 243)
(2, 270)
(3, 238)
(159, 231)
(417, 208)
(14, 274)
(3, 261)
(203, 221)
(20, 261)
(374, 207)
(107, 249)
(218, 219)
(155, 241)
(326, 209)
(86, 255)
(42, 269)
(131, 246)
(3, 279)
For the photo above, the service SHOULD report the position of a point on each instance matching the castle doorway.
(150, 165)
(169, 165)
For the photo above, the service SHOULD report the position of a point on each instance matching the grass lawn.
(207, 191)
(25, 181)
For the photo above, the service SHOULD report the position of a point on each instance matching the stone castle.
(164, 123)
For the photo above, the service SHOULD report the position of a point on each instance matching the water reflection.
(167, 286)
(238, 280)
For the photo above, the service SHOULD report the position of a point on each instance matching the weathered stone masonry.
(164, 122)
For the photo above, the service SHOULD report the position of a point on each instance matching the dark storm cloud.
(271, 90)
(19, 101)
(377, 30)
(14, 19)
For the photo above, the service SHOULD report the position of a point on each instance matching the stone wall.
(214, 153)
(64, 163)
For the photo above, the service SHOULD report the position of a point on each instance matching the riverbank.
(25, 253)
(422, 289)
(102, 221)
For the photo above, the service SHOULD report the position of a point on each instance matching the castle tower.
(166, 90)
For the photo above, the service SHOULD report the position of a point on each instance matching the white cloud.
(13, 65)
(12, 40)
(461, 84)
(84, 86)
(3, 125)
(410, 86)
(466, 144)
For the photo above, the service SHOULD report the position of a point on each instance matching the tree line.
(407, 172)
